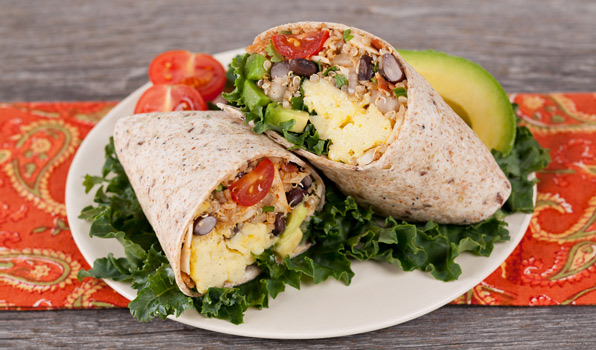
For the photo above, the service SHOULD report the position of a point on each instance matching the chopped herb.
(272, 52)
(319, 65)
(268, 208)
(347, 35)
(340, 80)
(297, 103)
(400, 91)
(376, 67)
(374, 80)
(285, 32)
(332, 68)
(220, 188)
(208, 116)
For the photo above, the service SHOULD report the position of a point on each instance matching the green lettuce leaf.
(427, 247)
(236, 74)
(274, 55)
(341, 232)
(118, 215)
(117, 269)
(223, 303)
(159, 296)
(308, 139)
(526, 157)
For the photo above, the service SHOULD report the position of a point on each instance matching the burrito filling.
(351, 88)
(262, 206)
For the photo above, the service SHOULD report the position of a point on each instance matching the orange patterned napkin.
(39, 260)
(554, 263)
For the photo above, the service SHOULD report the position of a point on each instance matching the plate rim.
(121, 287)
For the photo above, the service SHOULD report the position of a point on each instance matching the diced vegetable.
(254, 96)
(198, 70)
(254, 186)
(254, 68)
(277, 114)
(300, 45)
(292, 235)
(400, 91)
(168, 98)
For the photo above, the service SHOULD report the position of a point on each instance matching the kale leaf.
(308, 139)
(343, 231)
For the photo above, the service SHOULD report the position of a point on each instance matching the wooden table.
(83, 50)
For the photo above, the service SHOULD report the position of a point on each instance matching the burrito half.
(357, 111)
(216, 194)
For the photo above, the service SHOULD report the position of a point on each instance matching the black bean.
(390, 69)
(365, 69)
(295, 196)
(204, 225)
(303, 67)
(280, 69)
(280, 224)
(306, 182)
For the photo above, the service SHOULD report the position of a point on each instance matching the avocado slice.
(473, 93)
(253, 96)
(254, 69)
(292, 235)
(276, 115)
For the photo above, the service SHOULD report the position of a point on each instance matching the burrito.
(347, 102)
(216, 194)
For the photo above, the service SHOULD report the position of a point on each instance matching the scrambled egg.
(351, 127)
(215, 260)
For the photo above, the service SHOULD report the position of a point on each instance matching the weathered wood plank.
(82, 50)
(451, 327)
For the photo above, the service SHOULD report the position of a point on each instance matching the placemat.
(555, 263)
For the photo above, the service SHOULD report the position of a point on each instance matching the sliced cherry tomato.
(199, 70)
(167, 98)
(251, 188)
(300, 45)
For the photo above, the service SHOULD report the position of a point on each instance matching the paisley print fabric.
(39, 260)
(554, 264)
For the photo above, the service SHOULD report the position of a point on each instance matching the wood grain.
(452, 327)
(100, 50)
(82, 50)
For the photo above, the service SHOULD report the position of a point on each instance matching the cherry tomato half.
(300, 45)
(199, 70)
(254, 186)
(167, 98)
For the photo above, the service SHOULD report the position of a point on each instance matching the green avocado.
(254, 96)
(473, 93)
(292, 235)
(277, 114)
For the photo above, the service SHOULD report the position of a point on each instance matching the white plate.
(380, 295)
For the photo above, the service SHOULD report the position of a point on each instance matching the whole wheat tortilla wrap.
(426, 165)
(182, 166)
